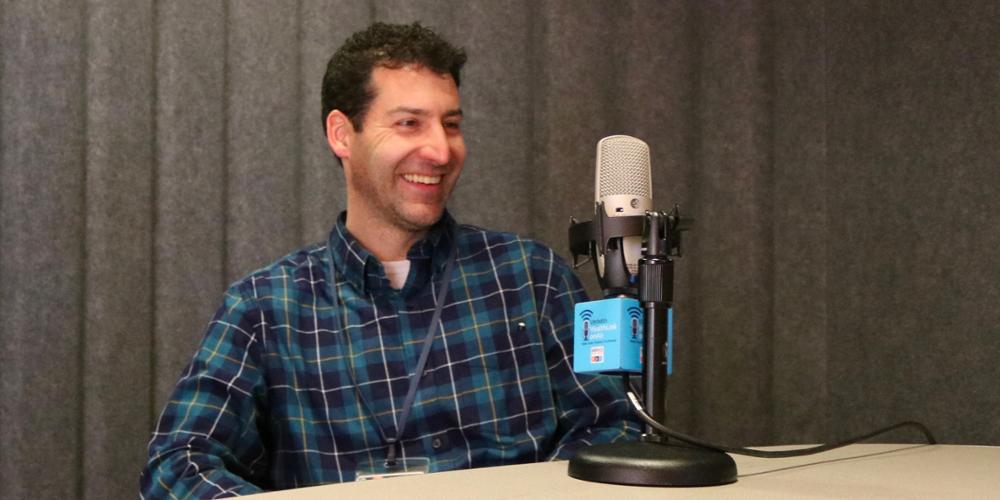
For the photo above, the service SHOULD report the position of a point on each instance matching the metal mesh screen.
(623, 166)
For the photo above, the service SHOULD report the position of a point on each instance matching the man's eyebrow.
(423, 112)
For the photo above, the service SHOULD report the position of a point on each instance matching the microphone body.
(623, 184)
(608, 333)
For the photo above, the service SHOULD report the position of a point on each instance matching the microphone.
(622, 182)
(608, 333)
(608, 336)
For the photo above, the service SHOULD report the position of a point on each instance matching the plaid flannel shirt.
(268, 401)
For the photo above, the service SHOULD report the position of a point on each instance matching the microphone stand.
(650, 461)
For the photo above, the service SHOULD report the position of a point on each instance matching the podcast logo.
(586, 314)
(634, 314)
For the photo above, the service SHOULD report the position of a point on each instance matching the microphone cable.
(751, 452)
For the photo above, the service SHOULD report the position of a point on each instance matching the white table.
(889, 471)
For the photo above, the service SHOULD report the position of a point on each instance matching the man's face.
(405, 162)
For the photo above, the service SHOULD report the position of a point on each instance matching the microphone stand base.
(641, 463)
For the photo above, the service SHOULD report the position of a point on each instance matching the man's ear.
(339, 133)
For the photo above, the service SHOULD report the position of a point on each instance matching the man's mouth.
(423, 179)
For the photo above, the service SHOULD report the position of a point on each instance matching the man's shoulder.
(518, 261)
(477, 242)
(479, 239)
(308, 263)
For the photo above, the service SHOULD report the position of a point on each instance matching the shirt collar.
(359, 267)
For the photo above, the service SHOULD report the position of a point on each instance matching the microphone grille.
(623, 167)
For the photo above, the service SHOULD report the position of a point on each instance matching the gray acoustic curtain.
(840, 159)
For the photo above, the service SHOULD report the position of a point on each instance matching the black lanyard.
(393, 442)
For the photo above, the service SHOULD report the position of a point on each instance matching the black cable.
(799, 452)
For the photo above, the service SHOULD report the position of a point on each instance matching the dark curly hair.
(347, 82)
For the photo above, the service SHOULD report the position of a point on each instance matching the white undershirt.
(396, 271)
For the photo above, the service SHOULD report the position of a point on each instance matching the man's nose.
(437, 148)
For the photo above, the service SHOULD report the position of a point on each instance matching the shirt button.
(436, 443)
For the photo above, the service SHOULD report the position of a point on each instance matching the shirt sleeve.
(591, 409)
(207, 443)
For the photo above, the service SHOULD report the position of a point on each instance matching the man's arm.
(591, 409)
(207, 442)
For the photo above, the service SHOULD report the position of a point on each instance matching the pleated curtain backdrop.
(840, 159)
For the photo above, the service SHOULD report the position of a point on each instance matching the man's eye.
(409, 122)
(453, 125)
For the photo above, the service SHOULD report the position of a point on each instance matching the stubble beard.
(393, 213)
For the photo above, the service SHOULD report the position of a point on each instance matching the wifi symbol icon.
(585, 315)
(636, 317)
(635, 313)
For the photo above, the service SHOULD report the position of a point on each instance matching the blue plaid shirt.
(268, 401)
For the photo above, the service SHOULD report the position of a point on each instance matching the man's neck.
(385, 243)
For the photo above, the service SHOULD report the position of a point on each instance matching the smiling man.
(406, 342)
(403, 160)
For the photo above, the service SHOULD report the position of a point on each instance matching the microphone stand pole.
(656, 287)
(651, 461)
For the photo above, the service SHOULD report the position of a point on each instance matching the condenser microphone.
(623, 183)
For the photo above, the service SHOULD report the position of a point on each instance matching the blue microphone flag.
(607, 336)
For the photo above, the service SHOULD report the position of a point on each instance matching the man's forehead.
(413, 88)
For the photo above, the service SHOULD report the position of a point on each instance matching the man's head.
(393, 118)
(347, 83)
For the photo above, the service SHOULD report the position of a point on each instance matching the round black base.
(652, 464)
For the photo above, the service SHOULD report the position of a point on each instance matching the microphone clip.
(602, 237)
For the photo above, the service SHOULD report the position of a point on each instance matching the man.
(407, 341)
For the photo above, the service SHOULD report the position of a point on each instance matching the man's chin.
(420, 220)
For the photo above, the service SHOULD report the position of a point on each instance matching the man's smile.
(423, 179)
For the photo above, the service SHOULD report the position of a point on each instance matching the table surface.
(889, 471)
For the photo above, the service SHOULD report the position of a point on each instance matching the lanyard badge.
(393, 466)
(409, 466)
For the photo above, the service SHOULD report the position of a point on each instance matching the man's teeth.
(423, 179)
